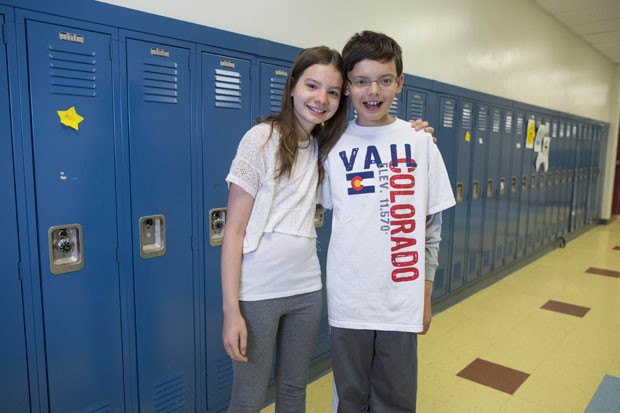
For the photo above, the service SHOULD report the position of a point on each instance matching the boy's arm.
(433, 238)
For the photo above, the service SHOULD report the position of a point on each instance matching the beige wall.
(508, 48)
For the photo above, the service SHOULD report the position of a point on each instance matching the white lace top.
(286, 205)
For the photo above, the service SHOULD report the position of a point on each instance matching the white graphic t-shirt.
(381, 183)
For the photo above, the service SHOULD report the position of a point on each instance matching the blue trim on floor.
(607, 396)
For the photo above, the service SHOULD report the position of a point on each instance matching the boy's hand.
(428, 312)
(420, 124)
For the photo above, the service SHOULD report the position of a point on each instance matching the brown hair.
(328, 133)
(372, 46)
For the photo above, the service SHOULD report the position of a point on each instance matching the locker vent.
(227, 89)
(160, 82)
(169, 396)
(394, 108)
(561, 130)
(224, 372)
(72, 73)
(497, 116)
(483, 117)
(508, 124)
(276, 89)
(554, 130)
(417, 107)
(448, 114)
(100, 407)
(466, 120)
(519, 125)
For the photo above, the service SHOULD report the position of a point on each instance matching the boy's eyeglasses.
(383, 83)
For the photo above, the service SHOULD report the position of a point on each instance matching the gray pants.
(290, 324)
(375, 371)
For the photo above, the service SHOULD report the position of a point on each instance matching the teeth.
(372, 103)
(316, 110)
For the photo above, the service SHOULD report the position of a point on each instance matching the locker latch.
(65, 248)
(152, 236)
(319, 216)
(217, 222)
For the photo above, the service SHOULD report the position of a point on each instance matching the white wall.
(508, 48)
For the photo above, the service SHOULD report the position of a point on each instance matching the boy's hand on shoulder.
(420, 124)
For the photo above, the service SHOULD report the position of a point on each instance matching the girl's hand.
(235, 337)
(420, 124)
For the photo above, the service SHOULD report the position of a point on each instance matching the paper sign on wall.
(531, 134)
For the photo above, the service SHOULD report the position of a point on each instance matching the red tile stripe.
(565, 308)
(602, 271)
(494, 375)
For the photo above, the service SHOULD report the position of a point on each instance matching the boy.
(387, 185)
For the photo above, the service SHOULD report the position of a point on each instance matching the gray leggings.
(291, 324)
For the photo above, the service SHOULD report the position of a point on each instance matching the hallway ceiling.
(595, 21)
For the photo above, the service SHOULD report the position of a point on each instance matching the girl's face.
(316, 95)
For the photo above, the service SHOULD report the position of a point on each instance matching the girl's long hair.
(327, 134)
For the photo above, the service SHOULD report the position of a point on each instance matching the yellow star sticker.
(70, 118)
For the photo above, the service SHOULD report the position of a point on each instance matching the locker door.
(478, 193)
(529, 169)
(543, 197)
(553, 185)
(460, 115)
(573, 178)
(272, 82)
(14, 377)
(521, 173)
(159, 115)
(492, 239)
(560, 157)
(70, 75)
(224, 122)
(503, 189)
(419, 105)
(513, 150)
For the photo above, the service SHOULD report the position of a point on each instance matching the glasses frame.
(355, 83)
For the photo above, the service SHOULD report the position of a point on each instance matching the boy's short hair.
(374, 46)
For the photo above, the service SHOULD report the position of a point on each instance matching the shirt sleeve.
(431, 244)
(248, 167)
(325, 193)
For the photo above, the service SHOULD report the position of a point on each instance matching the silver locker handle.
(152, 236)
(66, 248)
(217, 222)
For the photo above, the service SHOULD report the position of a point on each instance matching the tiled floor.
(544, 339)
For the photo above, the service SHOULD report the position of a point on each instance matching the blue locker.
(529, 168)
(522, 175)
(541, 223)
(422, 104)
(572, 173)
(14, 376)
(492, 238)
(503, 191)
(224, 121)
(459, 116)
(70, 74)
(513, 149)
(478, 193)
(272, 82)
(592, 187)
(160, 120)
(553, 181)
(561, 155)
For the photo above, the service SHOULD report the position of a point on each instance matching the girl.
(271, 278)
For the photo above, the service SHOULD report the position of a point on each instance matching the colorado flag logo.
(359, 185)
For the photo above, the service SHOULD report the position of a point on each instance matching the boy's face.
(373, 101)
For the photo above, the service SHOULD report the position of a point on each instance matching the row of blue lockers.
(117, 129)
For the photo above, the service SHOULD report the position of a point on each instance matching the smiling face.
(373, 102)
(316, 95)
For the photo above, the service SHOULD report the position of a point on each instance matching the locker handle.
(502, 186)
(152, 236)
(542, 180)
(533, 182)
(217, 222)
(523, 183)
(459, 192)
(66, 248)
(475, 194)
(490, 188)
(513, 184)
